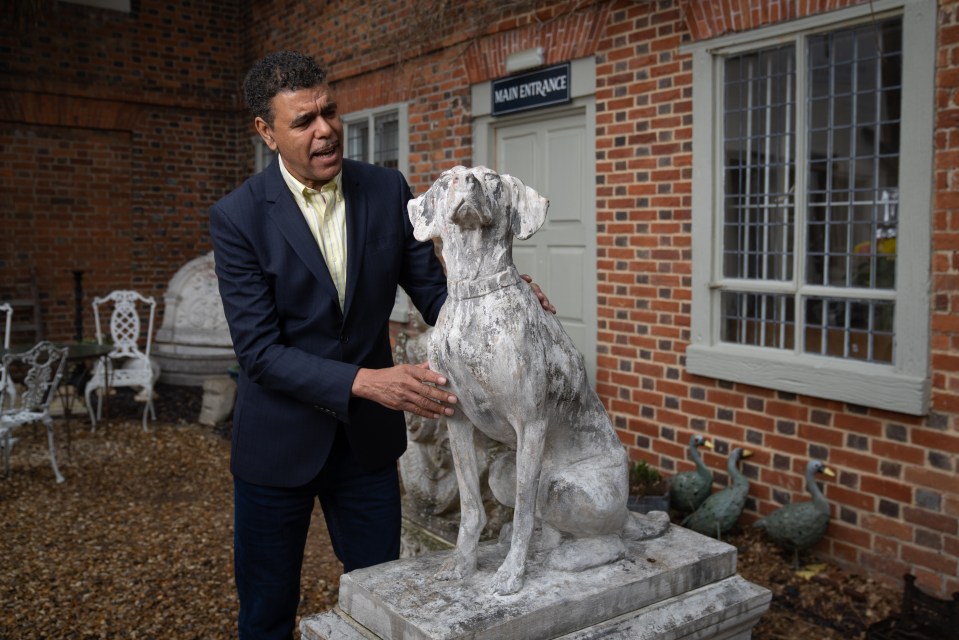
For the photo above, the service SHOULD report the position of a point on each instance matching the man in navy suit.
(308, 255)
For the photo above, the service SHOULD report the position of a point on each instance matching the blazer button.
(344, 339)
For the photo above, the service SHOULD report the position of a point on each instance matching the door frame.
(582, 87)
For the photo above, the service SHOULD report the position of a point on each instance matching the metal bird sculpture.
(688, 489)
(720, 511)
(800, 525)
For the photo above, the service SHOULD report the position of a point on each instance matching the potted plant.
(648, 489)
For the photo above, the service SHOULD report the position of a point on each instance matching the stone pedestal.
(219, 395)
(680, 586)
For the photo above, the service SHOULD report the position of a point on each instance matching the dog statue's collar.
(462, 289)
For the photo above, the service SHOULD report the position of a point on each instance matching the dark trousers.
(362, 512)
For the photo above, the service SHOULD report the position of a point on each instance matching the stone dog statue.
(522, 382)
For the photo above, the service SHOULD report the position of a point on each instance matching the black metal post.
(78, 306)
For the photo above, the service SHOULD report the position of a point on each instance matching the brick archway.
(567, 37)
(710, 18)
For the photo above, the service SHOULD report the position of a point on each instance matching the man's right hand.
(406, 387)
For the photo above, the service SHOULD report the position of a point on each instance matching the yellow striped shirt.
(326, 222)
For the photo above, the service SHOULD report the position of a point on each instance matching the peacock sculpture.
(800, 525)
(720, 511)
(688, 489)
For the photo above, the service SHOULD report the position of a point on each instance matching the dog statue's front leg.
(462, 561)
(529, 464)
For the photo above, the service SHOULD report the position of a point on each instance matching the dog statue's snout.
(467, 202)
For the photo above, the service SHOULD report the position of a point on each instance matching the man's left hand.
(543, 300)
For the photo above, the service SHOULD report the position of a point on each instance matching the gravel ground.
(137, 542)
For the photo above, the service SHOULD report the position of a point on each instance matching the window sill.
(870, 385)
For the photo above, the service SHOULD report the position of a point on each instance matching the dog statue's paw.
(546, 538)
(506, 581)
(648, 526)
(456, 567)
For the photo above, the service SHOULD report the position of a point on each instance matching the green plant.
(645, 480)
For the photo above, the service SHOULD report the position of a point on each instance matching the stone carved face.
(478, 197)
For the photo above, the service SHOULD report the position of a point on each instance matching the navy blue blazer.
(298, 352)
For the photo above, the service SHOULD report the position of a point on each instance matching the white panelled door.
(552, 156)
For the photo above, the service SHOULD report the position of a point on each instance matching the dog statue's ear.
(529, 208)
(422, 216)
(425, 210)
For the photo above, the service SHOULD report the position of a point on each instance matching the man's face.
(308, 134)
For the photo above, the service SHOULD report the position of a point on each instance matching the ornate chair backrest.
(7, 310)
(125, 323)
(44, 364)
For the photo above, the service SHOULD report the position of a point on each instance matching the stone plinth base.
(190, 367)
(680, 586)
(416, 540)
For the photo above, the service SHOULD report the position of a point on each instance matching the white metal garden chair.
(41, 369)
(9, 390)
(127, 365)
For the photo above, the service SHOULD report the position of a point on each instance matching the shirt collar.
(300, 189)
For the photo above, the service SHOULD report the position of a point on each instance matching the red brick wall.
(709, 18)
(943, 446)
(896, 498)
(70, 207)
(120, 131)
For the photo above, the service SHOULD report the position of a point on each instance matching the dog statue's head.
(473, 198)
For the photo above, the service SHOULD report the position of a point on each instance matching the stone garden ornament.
(522, 382)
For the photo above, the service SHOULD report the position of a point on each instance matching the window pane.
(855, 78)
(387, 140)
(262, 155)
(758, 319)
(759, 143)
(357, 145)
(853, 329)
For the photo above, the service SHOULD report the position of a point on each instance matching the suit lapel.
(289, 220)
(357, 215)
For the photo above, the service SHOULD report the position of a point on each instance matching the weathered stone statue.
(521, 382)
(427, 465)
(431, 494)
(219, 394)
(194, 341)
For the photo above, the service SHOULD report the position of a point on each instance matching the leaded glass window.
(816, 212)
(813, 143)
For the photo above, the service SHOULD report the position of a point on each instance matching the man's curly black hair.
(276, 72)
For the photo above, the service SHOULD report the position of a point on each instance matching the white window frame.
(402, 308)
(902, 386)
(367, 117)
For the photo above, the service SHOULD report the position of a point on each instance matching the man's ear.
(266, 132)
(528, 207)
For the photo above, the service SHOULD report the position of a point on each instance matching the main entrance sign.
(532, 90)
